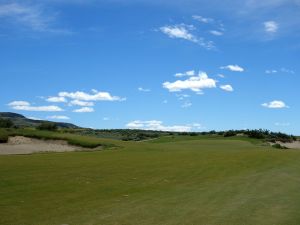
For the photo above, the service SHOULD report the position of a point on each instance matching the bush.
(47, 126)
(258, 134)
(3, 139)
(229, 133)
(278, 146)
(6, 123)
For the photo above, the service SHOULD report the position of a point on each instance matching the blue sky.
(192, 65)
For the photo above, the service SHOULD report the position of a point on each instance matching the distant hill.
(21, 121)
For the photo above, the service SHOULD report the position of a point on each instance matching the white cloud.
(275, 105)
(19, 103)
(186, 105)
(84, 110)
(195, 83)
(221, 75)
(26, 106)
(34, 118)
(198, 126)
(180, 31)
(203, 19)
(226, 87)
(81, 103)
(216, 32)
(56, 99)
(82, 96)
(56, 117)
(30, 16)
(157, 125)
(182, 96)
(282, 124)
(187, 73)
(234, 68)
(144, 89)
(271, 27)
(271, 71)
(183, 31)
(284, 70)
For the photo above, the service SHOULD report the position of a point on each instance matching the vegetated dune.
(24, 145)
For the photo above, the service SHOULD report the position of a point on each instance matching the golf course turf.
(172, 180)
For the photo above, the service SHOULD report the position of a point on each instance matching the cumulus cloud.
(95, 96)
(194, 83)
(227, 87)
(57, 117)
(271, 27)
(157, 125)
(234, 68)
(84, 110)
(144, 89)
(276, 104)
(81, 103)
(56, 99)
(184, 31)
(26, 106)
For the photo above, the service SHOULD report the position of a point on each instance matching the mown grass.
(207, 181)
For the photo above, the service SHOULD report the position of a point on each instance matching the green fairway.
(165, 181)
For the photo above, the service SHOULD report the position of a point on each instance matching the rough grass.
(73, 139)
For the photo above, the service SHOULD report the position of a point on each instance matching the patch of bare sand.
(294, 145)
(23, 145)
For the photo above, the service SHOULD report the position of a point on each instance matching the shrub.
(278, 146)
(6, 123)
(47, 126)
(258, 134)
(3, 139)
(229, 133)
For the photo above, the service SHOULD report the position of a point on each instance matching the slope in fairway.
(167, 182)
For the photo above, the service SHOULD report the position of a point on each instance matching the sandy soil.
(22, 145)
(295, 144)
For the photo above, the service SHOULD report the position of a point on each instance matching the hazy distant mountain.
(21, 121)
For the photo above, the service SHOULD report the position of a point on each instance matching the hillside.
(21, 121)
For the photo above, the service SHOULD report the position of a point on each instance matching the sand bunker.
(294, 145)
(24, 145)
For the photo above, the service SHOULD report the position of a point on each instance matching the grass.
(182, 181)
(73, 139)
